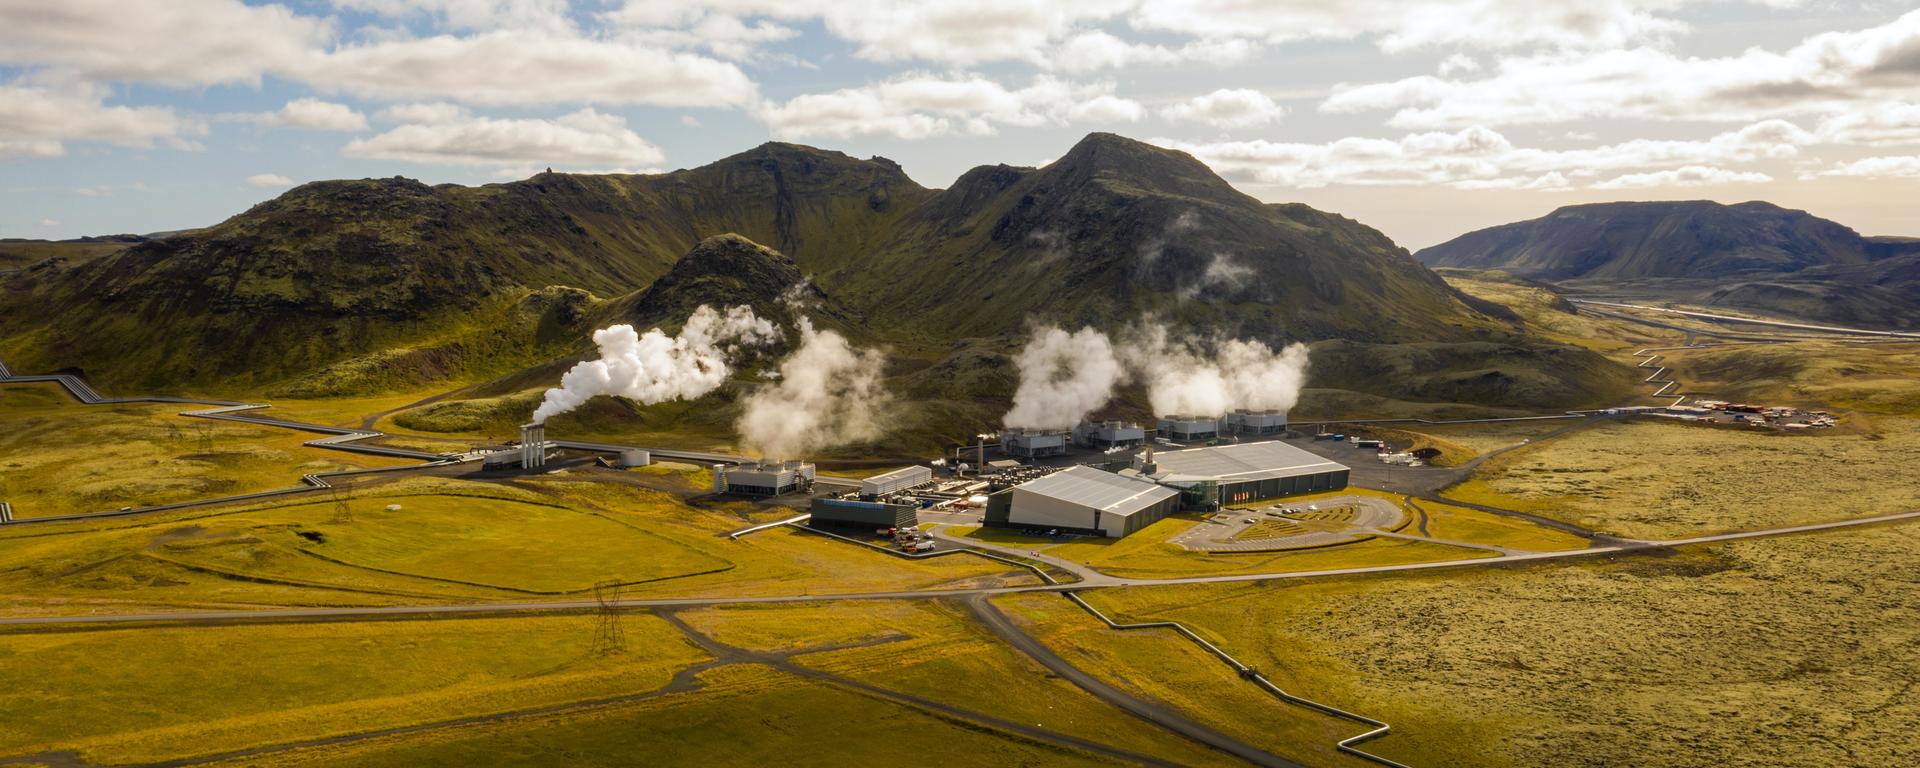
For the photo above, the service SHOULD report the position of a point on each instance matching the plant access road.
(1099, 580)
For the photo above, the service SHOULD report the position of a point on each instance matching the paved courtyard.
(1294, 525)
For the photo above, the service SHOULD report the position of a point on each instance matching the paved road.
(1003, 628)
(1750, 321)
(1102, 581)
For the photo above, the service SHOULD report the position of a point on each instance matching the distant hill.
(1880, 294)
(1692, 239)
(376, 285)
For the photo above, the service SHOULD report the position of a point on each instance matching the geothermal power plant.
(1220, 438)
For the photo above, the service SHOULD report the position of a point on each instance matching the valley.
(1524, 481)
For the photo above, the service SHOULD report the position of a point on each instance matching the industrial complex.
(1043, 485)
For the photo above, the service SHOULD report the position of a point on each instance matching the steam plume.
(1187, 377)
(1063, 377)
(654, 367)
(828, 392)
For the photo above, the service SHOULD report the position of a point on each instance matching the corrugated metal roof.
(900, 474)
(1105, 491)
(1240, 463)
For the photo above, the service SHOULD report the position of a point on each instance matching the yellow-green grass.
(1658, 479)
(1460, 443)
(464, 541)
(58, 456)
(1147, 553)
(491, 542)
(1790, 651)
(1161, 666)
(1874, 378)
(923, 649)
(742, 715)
(1455, 523)
(142, 695)
(1547, 316)
(943, 645)
(341, 411)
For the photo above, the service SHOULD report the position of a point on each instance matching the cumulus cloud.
(1884, 167)
(922, 105)
(269, 180)
(178, 42)
(546, 15)
(1400, 25)
(37, 122)
(583, 137)
(1482, 158)
(1227, 108)
(1824, 74)
(502, 55)
(1689, 176)
(310, 113)
(510, 67)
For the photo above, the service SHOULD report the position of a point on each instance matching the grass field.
(451, 540)
(1161, 666)
(1874, 378)
(142, 695)
(58, 456)
(1662, 480)
(1792, 651)
(742, 715)
(937, 652)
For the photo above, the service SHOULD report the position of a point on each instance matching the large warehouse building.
(1245, 472)
(1083, 500)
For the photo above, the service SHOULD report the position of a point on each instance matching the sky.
(1422, 118)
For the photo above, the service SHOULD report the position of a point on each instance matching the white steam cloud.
(1063, 377)
(1066, 376)
(654, 367)
(1187, 377)
(828, 392)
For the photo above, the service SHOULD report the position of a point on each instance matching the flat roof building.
(1246, 472)
(867, 513)
(767, 478)
(895, 481)
(1250, 422)
(1026, 443)
(1101, 435)
(1189, 428)
(1083, 500)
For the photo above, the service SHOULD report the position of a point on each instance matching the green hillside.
(1696, 239)
(389, 285)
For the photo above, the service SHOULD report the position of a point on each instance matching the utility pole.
(608, 637)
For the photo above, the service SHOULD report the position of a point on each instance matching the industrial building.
(1242, 473)
(1031, 443)
(1189, 428)
(533, 445)
(764, 478)
(874, 512)
(1102, 435)
(532, 453)
(895, 481)
(1250, 422)
(1082, 500)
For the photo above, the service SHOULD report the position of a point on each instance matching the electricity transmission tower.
(342, 503)
(608, 637)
